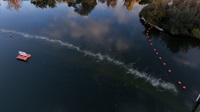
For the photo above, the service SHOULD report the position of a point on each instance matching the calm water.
(92, 56)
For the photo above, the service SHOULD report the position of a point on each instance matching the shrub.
(196, 32)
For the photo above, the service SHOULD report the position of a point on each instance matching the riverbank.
(177, 17)
(157, 27)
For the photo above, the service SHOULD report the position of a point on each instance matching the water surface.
(92, 56)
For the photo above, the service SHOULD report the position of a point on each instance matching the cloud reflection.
(121, 45)
(92, 31)
(105, 31)
(191, 59)
(186, 62)
(89, 29)
(123, 16)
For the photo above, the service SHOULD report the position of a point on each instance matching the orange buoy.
(179, 82)
(169, 71)
(154, 50)
(148, 37)
(151, 44)
(164, 64)
(149, 40)
(184, 87)
(160, 58)
(156, 53)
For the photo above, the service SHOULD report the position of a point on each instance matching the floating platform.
(23, 56)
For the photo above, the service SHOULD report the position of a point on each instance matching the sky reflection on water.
(106, 28)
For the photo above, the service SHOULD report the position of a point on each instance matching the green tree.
(180, 18)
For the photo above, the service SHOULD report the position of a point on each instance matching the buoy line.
(159, 57)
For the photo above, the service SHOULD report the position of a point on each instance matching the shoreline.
(157, 27)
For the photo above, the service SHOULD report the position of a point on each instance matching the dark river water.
(92, 56)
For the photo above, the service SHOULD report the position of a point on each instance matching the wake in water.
(158, 83)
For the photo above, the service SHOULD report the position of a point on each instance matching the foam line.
(158, 83)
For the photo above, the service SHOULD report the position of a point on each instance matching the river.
(92, 56)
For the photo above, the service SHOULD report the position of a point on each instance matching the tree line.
(179, 17)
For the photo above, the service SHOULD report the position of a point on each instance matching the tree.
(180, 18)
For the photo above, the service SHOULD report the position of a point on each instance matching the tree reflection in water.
(44, 3)
(130, 3)
(14, 4)
(82, 7)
